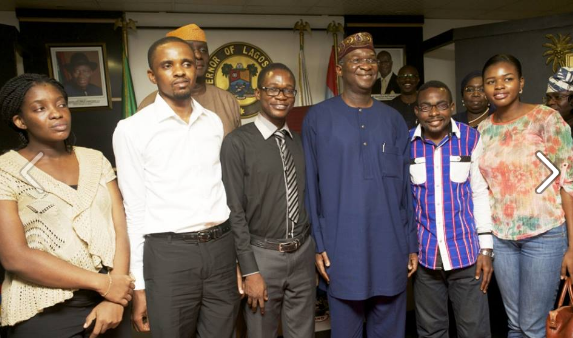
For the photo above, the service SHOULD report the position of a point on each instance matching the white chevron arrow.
(30, 179)
(550, 178)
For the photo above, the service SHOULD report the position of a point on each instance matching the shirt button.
(362, 126)
(365, 143)
(360, 110)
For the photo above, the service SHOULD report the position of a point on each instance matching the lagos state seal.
(234, 67)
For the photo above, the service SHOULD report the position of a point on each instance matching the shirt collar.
(267, 128)
(453, 130)
(163, 111)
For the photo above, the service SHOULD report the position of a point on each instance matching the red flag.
(331, 85)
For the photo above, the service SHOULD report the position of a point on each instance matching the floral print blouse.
(513, 172)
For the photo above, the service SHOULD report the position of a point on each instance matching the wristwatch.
(487, 252)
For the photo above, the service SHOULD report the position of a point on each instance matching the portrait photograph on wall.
(390, 60)
(82, 69)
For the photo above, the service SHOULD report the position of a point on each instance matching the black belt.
(199, 236)
(281, 245)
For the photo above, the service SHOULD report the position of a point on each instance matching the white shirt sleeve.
(131, 180)
(480, 197)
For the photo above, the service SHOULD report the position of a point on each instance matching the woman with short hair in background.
(474, 100)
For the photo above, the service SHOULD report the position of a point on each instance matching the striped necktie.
(290, 176)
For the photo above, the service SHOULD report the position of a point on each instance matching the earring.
(23, 138)
(70, 142)
(520, 91)
(463, 103)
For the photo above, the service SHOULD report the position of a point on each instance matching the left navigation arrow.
(30, 179)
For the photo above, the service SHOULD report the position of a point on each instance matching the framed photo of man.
(82, 69)
(390, 60)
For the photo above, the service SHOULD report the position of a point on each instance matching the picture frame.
(398, 55)
(82, 69)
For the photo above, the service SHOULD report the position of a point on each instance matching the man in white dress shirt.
(182, 251)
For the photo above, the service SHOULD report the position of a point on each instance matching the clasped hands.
(117, 290)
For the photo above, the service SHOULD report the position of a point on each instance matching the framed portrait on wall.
(82, 69)
(391, 59)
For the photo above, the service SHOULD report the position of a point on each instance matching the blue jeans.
(527, 272)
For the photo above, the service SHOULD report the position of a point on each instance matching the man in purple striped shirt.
(453, 217)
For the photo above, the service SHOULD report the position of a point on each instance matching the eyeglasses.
(471, 90)
(557, 98)
(272, 91)
(441, 106)
(367, 61)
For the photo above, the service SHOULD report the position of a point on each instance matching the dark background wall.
(388, 31)
(92, 127)
(521, 38)
(8, 41)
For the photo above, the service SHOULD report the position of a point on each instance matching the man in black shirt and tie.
(264, 177)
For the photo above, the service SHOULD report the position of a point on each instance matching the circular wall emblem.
(234, 67)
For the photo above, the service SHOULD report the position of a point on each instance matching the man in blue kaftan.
(359, 200)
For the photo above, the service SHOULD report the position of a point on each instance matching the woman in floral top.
(530, 231)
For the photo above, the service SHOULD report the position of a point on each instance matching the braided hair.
(12, 97)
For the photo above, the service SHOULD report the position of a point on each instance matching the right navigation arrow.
(550, 178)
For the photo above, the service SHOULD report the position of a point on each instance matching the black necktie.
(290, 176)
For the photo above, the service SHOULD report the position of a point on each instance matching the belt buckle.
(289, 246)
(217, 232)
(203, 236)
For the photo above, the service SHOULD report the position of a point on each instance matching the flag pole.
(304, 84)
(129, 105)
(335, 28)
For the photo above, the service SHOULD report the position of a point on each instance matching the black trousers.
(66, 320)
(433, 288)
(191, 287)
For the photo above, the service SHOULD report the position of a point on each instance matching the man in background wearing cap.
(359, 200)
(559, 94)
(217, 100)
(81, 70)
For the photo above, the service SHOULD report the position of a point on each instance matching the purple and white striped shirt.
(451, 200)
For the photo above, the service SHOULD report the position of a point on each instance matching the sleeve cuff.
(318, 240)
(486, 241)
(413, 245)
(139, 281)
(249, 274)
(248, 263)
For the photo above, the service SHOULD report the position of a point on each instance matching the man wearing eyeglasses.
(408, 80)
(264, 177)
(559, 94)
(359, 200)
(453, 219)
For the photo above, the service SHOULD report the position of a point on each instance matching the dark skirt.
(66, 320)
